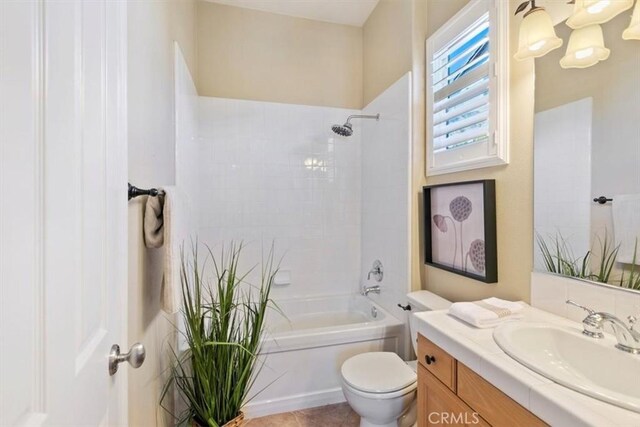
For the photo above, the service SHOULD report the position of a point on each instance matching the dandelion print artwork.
(457, 236)
(476, 255)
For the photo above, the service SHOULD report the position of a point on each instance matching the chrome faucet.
(376, 270)
(627, 337)
(366, 290)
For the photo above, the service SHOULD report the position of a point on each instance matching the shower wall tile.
(276, 173)
(187, 144)
(562, 197)
(386, 159)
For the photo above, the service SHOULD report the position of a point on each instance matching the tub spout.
(366, 290)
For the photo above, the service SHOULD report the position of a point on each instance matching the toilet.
(380, 386)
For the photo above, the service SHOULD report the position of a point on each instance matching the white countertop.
(551, 402)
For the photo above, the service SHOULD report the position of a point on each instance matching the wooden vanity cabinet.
(451, 394)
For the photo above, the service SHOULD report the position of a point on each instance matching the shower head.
(346, 129)
(343, 130)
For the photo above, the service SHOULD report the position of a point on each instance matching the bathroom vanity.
(465, 378)
(451, 393)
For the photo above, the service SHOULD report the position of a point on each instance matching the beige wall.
(418, 96)
(394, 43)
(387, 40)
(440, 11)
(153, 26)
(248, 54)
(514, 185)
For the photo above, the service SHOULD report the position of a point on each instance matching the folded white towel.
(487, 313)
(626, 226)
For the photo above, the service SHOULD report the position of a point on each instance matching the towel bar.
(134, 192)
(602, 200)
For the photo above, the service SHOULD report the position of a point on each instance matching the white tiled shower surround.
(277, 173)
(187, 147)
(332, 205)
(386, 159)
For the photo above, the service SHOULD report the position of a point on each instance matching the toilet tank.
(423, 301)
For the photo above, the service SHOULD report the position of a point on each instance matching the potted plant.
(223, 326)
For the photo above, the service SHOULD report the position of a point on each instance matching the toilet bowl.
(380, 386)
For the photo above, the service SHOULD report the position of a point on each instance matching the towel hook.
(134, 192)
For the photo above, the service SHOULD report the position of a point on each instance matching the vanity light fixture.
(586, 48)
(633, 32)
(590, 12)
(537, 34)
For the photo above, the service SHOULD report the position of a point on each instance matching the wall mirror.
(587, 146)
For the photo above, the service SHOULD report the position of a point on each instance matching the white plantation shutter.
(462, 86)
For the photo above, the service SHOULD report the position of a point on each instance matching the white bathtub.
(303, 353)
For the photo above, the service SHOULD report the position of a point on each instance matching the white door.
(62, 211)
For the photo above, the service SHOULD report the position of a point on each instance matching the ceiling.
(348, 12)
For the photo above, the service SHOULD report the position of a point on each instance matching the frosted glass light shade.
(633, 32)
(590, 12)
(537, 35)
(586, 48)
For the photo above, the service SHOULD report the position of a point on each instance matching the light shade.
(537, 35)
(633, 32)
(590, 12)
(586, 48)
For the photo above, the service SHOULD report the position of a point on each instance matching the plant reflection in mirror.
(558, 258)
(633, 281)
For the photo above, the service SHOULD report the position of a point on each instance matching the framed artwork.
(460, 228)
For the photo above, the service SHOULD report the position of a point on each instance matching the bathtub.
(302, 353)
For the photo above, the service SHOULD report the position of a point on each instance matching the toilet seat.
(380, 396)
(378, 375)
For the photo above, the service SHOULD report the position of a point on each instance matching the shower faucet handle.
(377, 271)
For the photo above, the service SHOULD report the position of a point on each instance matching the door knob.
(135, 357)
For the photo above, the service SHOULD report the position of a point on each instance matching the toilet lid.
(377, 372)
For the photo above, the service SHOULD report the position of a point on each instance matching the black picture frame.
(441, 224)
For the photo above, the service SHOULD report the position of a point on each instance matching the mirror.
(587, 145)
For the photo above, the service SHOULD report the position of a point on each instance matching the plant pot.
(236, 422)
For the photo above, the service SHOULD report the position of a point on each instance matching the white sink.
(587, 365)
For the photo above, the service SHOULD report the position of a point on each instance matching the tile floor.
(340, 415)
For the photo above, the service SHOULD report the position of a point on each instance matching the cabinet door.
(494, 405)
(438, 362)
(439, 406)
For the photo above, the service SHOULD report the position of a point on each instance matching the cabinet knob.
(429, 359)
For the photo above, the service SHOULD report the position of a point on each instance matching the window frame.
(495, 150)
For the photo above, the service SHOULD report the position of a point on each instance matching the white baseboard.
(293, 403)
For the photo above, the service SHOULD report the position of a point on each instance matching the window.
(467, 90)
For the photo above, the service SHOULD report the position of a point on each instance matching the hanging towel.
(176, 232)
(153, 222)
(487, 313)
(626, 226)
(166, 224)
